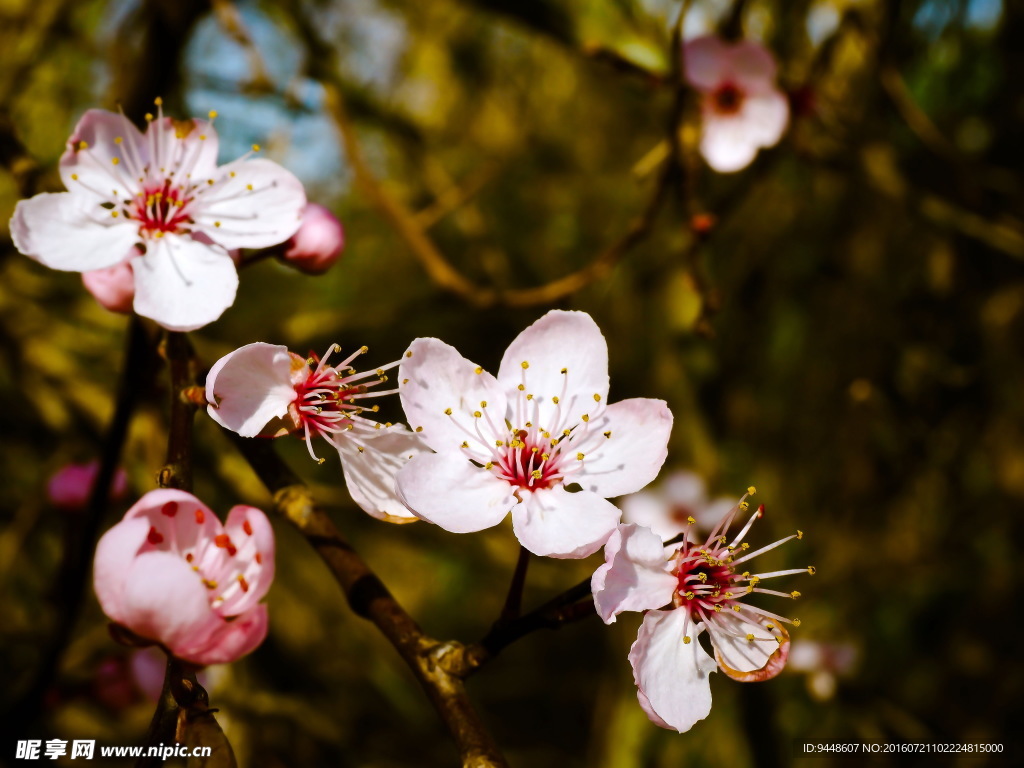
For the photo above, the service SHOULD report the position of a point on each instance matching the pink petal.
(671, 675)
(633, 455)
(634, 576)
(370, 473)
(249, 387)
(752, 66)
(449, 491)
(231, 640)
(436, 378)
(706, 62)
(149, 665)
(113, 287)
(69, 488)
(182, 283)
(318, 243)
(62, 231)
(652, 510)
(165, 600)
(765, 117)
(725, 143)
(89, 171)
(267, 214)
(250, 532)
(748, 660)
(115, 553)
(559, 340)
(556, 523)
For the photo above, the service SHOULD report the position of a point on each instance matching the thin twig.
(514, 600)
(368, 597)
(177, 470)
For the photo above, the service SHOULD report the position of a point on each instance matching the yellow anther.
(405, 381)
(736, 608)
(158, 101)
(478, 370)
(755, 580)
(751, 490)
(149, 117)
(115, 160)
(750, 637)
(419, 429)
(465, 444)
(702, 576)
(799, 534)
(202, 137)
(118, 139)
(744, 506)
(769, 625)
(83, 145)
(608, 433)
(579, 457)
(376, 426)
(744, 545)
(545, 456)
(690, 520)
(483, 403)
(447, 411)
(566, 432)
(498, 443)
(528, 424)
(520, 387)
(377, 408)
(794, 594)
(796, 622)
(113, 214)
(529, 397)
(689, 595)
(360, 448)
(74, 177)
(535, 449)
(249, 187)
(536, 474)
(477, 414)
(255, 147)
(718, 608)
(364, 349)
(212, 114)
(555, 400)
(525, 365)
(320, 461)
(489, 465)
(597, 398)
(686, 639)
(585, 417)
(210, 583)
(159, 235)
(811, 570)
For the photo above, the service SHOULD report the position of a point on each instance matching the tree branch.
(370, 599)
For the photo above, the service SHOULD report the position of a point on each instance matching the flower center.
(160, 209)
(727, 99)
(529, 463)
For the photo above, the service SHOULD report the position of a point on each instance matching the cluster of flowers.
(157, 226)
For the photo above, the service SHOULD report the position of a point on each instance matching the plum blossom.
(159, 200)
(265, 390)
(687, 589)
(112, 287)
(539, 440)
(741, 109)
(70, 486)
(171, 573)
(318, 243)
(667, 508)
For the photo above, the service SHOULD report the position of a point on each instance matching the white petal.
(258, 206)
(439, 378)
(765, 117)
(188, 148)
(249, 387)
(370, 474)
(90, 171)
(71, 233)
(633, 455)
(761, 658)
(705, 61)
(726, 142)
(182, 283)
(671, 675)
(555, 523)
(685, 489)
(652, 510)
(569, 341)
(449, 491)
(635, 574)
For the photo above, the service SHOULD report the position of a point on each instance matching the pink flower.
(524, 440)
(160, 200)
(678, 504)
(318, 243)
(687, 589)
(741, 108)
(263, 389)
(70, 486)
(112, 287)
(822, 663)
(171, 573)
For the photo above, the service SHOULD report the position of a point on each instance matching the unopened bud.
(318, 243)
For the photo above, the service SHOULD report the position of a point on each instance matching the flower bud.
(318, 243)
(113, 287)
(70, 486)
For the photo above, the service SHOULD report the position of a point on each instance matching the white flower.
(524, 440)
(160, 199)
(685, 590)
(741, 108)
(263, 389)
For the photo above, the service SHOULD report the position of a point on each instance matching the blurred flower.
(70, 486)
(741, 108)
(822, 663)
(171, 573)
(163, 192)
(704, 591)
(523, 440)
(669, 508)
(263, 389)
(112, 684)
(318, 243)
(113, 287)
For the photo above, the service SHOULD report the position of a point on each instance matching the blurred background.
(840, 324)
